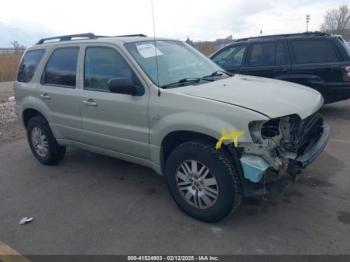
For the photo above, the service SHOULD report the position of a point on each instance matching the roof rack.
(86, 35)
(135, 35)
(67, 37)
(284, 35)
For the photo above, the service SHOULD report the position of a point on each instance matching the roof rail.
(135, 35)
(87, 35)
(284, 35)
(67, 37)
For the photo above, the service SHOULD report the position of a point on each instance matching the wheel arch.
(175, 138)
(29, 113)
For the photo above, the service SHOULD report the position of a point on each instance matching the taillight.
(347, 73)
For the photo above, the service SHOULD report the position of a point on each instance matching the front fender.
(194, 122)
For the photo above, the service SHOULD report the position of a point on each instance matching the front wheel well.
(174, 139)
(28, 114)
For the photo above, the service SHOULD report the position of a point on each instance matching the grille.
(308, 132)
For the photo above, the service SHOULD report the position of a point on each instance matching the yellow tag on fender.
(232, 136)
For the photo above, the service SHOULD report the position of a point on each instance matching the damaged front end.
(282, 146)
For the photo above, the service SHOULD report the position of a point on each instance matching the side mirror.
(122, 86)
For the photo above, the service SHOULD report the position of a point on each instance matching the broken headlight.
(255, 131)
(270, 128)
(277, 127)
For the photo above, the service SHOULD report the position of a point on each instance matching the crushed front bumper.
(310, 155)
(302, 161)
(272, 180)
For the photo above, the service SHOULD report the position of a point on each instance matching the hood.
(269, 97)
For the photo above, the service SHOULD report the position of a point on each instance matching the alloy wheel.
(196, 184)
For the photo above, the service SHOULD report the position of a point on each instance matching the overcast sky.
(198, 19)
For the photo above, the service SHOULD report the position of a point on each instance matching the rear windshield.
(29, 64)
(347, 47)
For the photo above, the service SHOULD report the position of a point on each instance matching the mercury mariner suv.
(216, 137)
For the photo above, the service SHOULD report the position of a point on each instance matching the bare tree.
(337, 21)
(17, 47)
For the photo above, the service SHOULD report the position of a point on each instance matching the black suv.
(314, 59)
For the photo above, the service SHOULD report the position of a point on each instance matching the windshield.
(176, 61)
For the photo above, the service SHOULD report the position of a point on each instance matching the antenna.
(155, 45)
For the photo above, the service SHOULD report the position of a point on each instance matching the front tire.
(203, 181)
(42, 142)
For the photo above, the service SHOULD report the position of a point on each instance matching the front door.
(112, 121)
(231, 58)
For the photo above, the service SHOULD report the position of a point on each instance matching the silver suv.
(158, 102)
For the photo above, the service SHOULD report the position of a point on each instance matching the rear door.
(267, 59)
(58, 91)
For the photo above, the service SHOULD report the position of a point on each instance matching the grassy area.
(8, 66)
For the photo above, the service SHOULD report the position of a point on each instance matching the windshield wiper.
(217, 73)
(183, 82)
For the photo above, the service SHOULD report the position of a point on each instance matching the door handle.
(45, 96)
(90, 102)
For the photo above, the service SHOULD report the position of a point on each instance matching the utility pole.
(308, 18)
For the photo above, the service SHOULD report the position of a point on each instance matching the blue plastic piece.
(253, 167)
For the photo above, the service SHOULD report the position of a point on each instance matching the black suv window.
(61, 68)
(262, 54)
(313, 51)
(281, 54)
(231, 56)
(29, 64)
(103, 64)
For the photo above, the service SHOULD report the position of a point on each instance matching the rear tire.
(42, 142)
(203, 181)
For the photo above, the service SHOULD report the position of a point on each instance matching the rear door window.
(29, 64)
(231, 56)
(281, 54)
(262, 54)
(313, 51)
(61, 68)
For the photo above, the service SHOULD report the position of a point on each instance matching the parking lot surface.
(92, 204)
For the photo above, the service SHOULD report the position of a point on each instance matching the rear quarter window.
(313, 51)
(29, 63)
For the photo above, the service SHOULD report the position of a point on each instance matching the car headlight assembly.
(260, 130)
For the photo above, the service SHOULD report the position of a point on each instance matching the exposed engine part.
(270, 129)
(281, 140)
